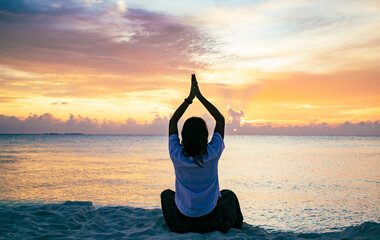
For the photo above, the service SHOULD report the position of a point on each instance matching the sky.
(293, 67)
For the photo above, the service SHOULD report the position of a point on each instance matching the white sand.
(80, 220)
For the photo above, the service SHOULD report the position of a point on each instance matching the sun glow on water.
(302, 184)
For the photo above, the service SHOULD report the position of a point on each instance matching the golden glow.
(280, 62)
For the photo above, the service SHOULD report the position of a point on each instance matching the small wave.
(9, 151)
(82, 220)
(7, 159)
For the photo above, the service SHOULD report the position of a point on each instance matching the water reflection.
(287, 183)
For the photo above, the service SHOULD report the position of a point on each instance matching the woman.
(198, 205)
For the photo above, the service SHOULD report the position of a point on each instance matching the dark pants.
(225, 215)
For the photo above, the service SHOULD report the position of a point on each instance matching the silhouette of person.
(197, 205)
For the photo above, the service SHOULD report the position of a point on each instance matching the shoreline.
(78, 220)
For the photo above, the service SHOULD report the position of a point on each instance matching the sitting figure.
(197, 205)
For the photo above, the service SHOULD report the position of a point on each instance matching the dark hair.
(194, 139)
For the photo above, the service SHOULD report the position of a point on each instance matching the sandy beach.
(81, 220)
(277, 101)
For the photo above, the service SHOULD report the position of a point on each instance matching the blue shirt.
(197, 188)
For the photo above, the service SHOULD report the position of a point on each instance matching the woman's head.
(194, 137)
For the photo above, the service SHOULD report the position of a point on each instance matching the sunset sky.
(129, 63)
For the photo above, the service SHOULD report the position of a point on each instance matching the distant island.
(63, 133)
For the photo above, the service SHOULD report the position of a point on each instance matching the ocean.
(284, 183)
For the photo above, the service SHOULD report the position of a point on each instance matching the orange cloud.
(47, 123)
(116, 64)
(136, 43)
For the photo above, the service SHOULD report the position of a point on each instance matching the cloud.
(291, 35)
(121, 6)
(84, 49)
(7, 99)
(238, 126)
(73, 36)
(368, 128)
(47, 123)
(51, 7)
(60, 103)
(235, 118)
(116, 54)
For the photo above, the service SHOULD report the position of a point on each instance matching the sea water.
(284, 183)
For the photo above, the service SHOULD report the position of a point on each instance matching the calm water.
(290, 183)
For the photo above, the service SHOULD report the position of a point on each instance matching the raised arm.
(173, 128)
(220, 122)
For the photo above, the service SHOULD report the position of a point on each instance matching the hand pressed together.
(195, 92)
(193, 88)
